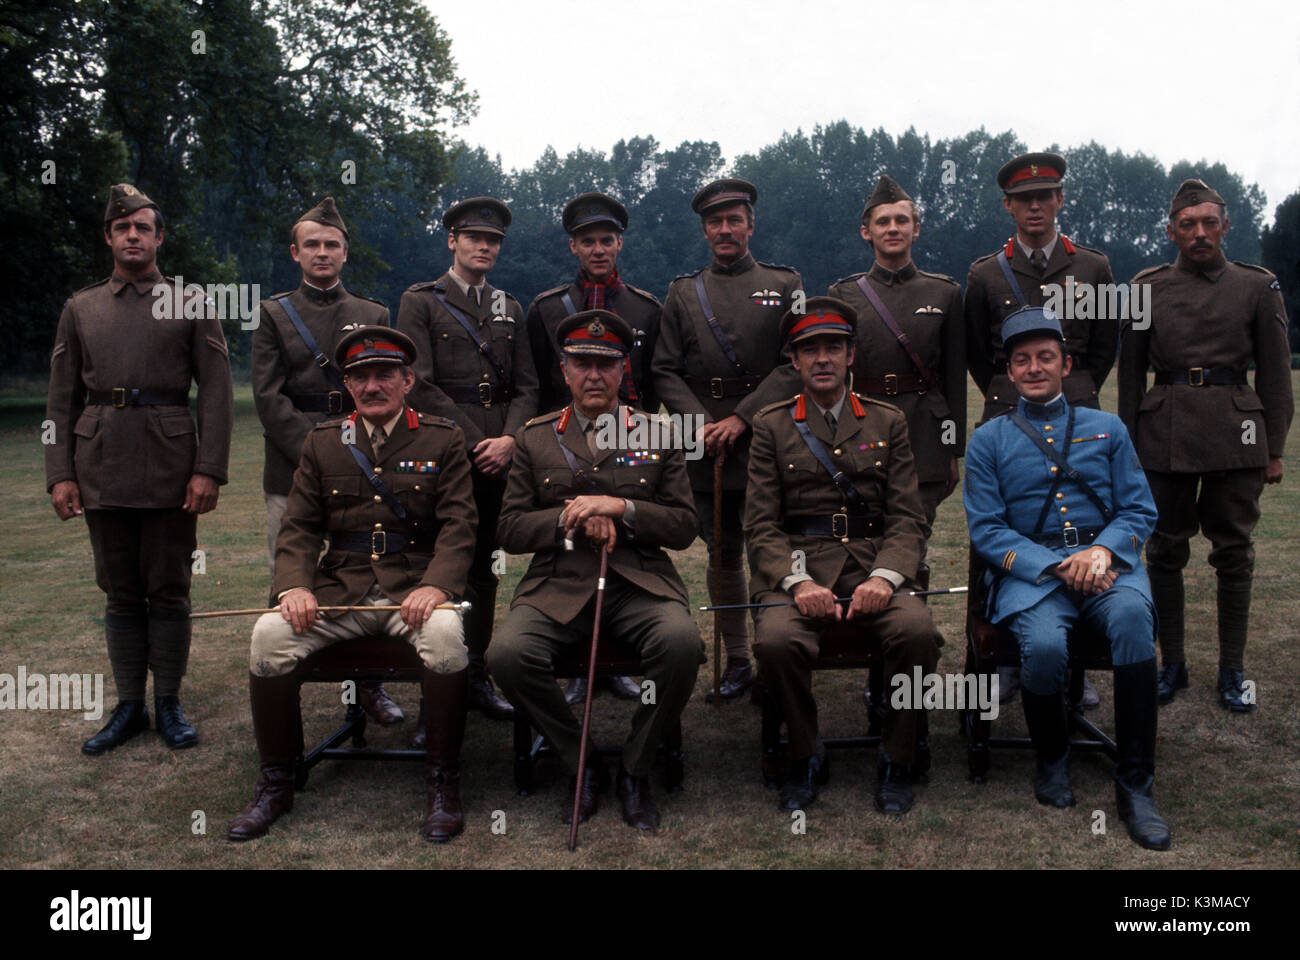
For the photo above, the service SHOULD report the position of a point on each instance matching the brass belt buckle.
(840, 526)
(715, 388)
(891, 384)
(1068, 541)
(1196, 377)
(118, 396)
(485, 393)
(378, 546)
(334, 402)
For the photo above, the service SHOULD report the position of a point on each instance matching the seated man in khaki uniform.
(582, 474)
(391, 489)
(831, 476)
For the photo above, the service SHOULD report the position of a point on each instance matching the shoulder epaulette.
(780, 404)
(1079, 246)
(1150, 270)
(378, 303)
(422, 285)
(852, 277)
(435, 421)
(278, 296)
(643, 293)
(937, 276)
(545, 418)
(868, 401)
(1257, 268)
(688, 276)
(495, 290)
(553, 291)
(776, 266)
(332, 424)
(987, 256)
(91, 286)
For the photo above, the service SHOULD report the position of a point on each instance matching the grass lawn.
(1226, 783)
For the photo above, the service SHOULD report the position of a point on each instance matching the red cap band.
(1031, 172)
(823, 319)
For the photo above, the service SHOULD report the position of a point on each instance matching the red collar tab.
(564, 420)
(856, 405)
(627, 417)
(412, 419)
(800, 409)
(352, 417)
(1065, 242)
(1011, 247)
(1034, 171)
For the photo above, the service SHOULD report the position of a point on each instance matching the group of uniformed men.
(399, 459)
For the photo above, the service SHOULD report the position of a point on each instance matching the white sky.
(1175, 80)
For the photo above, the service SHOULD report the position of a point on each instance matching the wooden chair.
(613, 659)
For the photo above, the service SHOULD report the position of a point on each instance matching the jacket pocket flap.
(341, 486)
(86, 426)
(176, 424)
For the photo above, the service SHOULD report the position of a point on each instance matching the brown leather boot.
(445, 696)
(379, 706)
(276, 719)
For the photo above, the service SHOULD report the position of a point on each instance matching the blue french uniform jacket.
(1008, 478)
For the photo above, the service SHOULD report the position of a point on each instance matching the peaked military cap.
(326, 212)
(1190, 193)
(724, 193)
(588, 208)
(1030, 322)
(887, 191)
(595, 333)
(486, 214)
(368, 344)
(1032, 171)
(124, 199)
(820, 316)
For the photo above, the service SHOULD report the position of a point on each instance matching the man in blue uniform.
(1059, 507)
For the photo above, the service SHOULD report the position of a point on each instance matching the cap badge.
(485, 212)
(596, 329)
(368, 343)
(593, 208)
(1033, 169)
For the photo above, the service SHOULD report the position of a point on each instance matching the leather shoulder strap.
(852, 495)
(1005, 264)
(381, 488)
(1065, 470)
(483, 348)
(903, 339)
(309, 341)
(718, 333)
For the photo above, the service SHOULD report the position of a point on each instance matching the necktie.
(1038, 259)
(377, 440)
(831, 422)
(590, 437)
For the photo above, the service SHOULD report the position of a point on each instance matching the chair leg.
(357, 717)
(523, 742)
(674, 759)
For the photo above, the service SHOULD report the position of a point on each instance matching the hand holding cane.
(591, 686)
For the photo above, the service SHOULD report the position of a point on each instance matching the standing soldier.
(1208, 441)
(719, 359)
(911, 341)
(295, 383)
(125, 453)
(1035, 263)
(595, 223)
(474, 367)
(831, 477)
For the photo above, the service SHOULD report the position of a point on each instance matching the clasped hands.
(595, 516)
(298, 607)
(1088, 571)
(870, 596)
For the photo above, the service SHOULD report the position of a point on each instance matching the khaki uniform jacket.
(928, 308)
(989, 299)
(749, 299)
(1225, 319)
(558, 582)
(785, 480)
(448, 357)
(330, 493)
(639, 308)
(283, 369)
(136, 456)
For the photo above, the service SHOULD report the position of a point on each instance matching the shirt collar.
(746, 262)
(583, 421)
(1056, 407)
(465, 285)
(890, 277)
(388, 427)
(142, 285)
(1048, 250)
(834, 409)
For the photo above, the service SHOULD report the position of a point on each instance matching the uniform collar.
(1051, 410)
(142, 286)
(834, 409)
(1047, 250)
(583, 421)
(321, 296)
(890, 277)
(388, 427)
(747, 262)
(1212, 272)
(465, 285)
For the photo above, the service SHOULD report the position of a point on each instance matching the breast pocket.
(554, 485)
(339, 490)
(455, 355)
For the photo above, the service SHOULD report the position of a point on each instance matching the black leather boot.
(1135, 738)
(128, 718)
(893, 786)
(1171, 678)
(1045, 715)
(800, 788)
(177, 732)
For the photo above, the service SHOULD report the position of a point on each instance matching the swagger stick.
(717, 576)
(791, 603)
(463, 607)
(586, 707)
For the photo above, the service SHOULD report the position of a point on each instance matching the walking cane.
(586, 707)
(717, 576)
(463, 607)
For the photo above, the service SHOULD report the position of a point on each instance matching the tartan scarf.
(596, 296)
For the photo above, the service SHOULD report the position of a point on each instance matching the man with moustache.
(475, 367)
(576, 479)
(1208, 440)
(719, 358)
(391, 488)
(295, 382)
(125, 455)
(595, 223)
(1059, 509)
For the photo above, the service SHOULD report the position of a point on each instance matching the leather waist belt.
(841, 525)
(1202, 377)
(378, 542)
(485, 393)
(891, 384)
(1070, 537)
(336, 401)
(130, 397)
(718, 387)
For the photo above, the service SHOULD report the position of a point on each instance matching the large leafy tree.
(1280, 252)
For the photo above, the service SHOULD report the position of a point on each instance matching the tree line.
(238, 115)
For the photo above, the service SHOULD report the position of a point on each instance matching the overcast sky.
(1186, 80)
